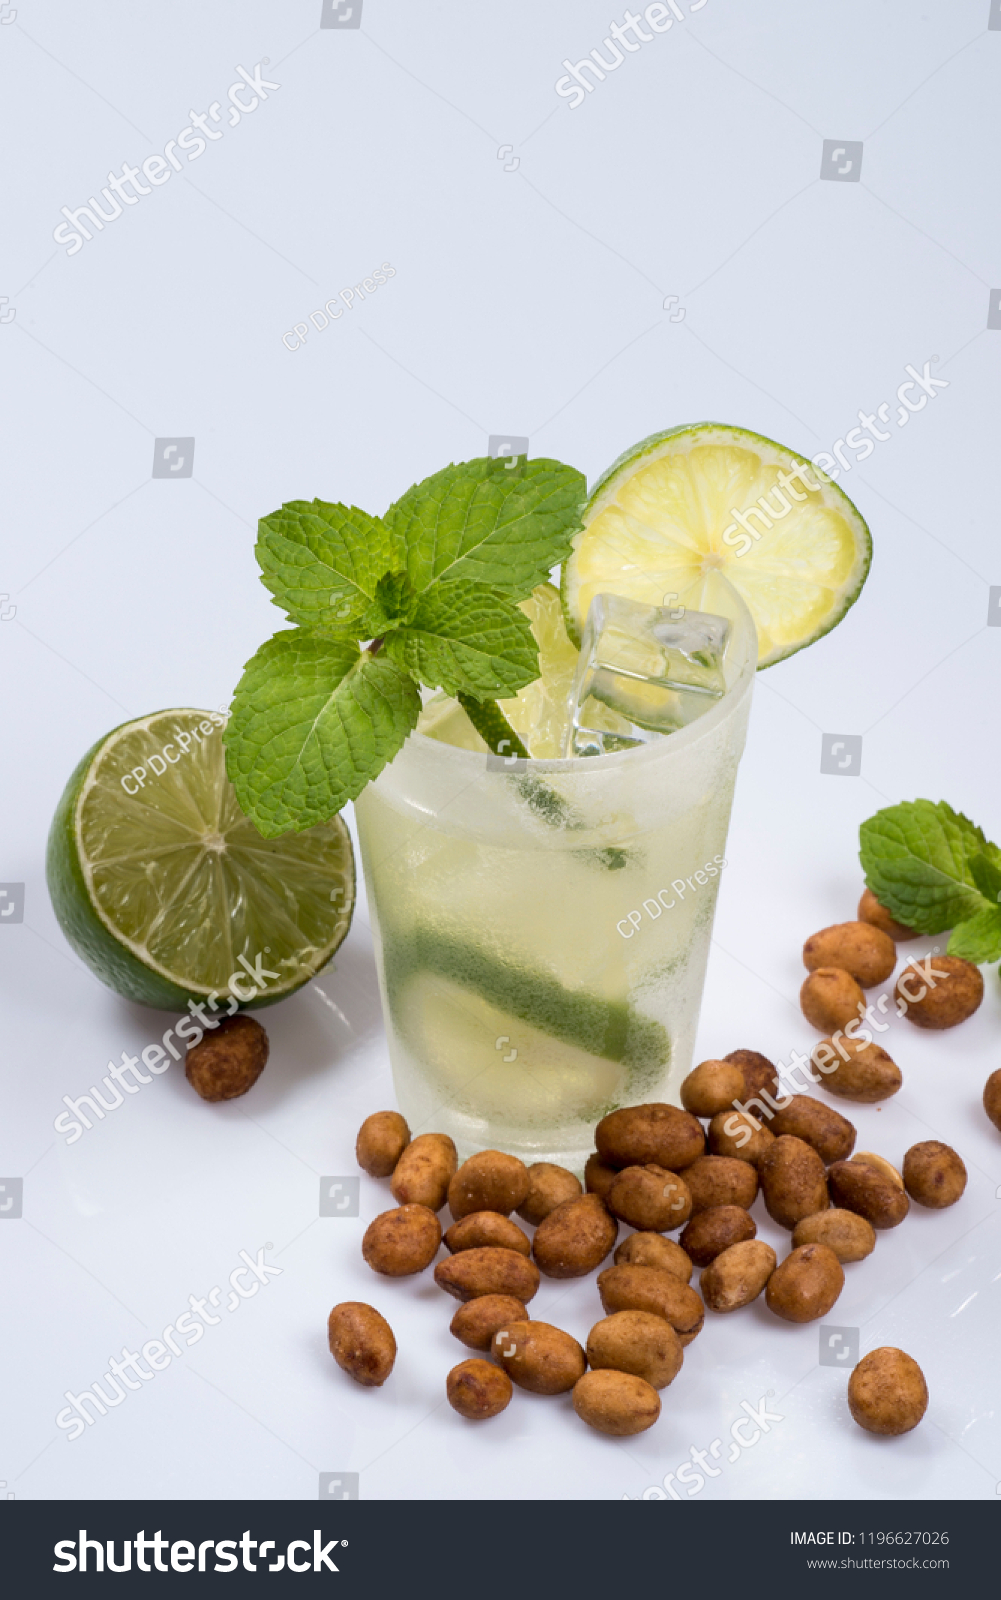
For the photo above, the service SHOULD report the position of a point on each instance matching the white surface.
(529, 299)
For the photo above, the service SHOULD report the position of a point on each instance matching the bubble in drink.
(643, 672)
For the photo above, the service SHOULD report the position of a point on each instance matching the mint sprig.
(933, 869)
(488, 521)
(323, 564)
(467, 639)
(312, 721)
(433, 586)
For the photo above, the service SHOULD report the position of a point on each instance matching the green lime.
(693, 502)
(169, 893)
(575, 1053)
(529, 1078)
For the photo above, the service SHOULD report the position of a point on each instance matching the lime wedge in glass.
(575, 1054)
(161, 884)
(691, 504)
(453, 1033)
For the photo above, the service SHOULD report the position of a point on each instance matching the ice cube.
(644, 671)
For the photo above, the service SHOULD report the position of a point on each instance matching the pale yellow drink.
(542, 929)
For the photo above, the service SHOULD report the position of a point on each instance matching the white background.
(529, 299)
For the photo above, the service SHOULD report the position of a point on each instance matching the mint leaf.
(978, 939)
(917, 858)
(313, 720)
(466, 638)
(397, 597)
(323, 563)
(985, 871)
(487, 522)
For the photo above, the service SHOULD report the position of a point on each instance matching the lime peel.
(171, 894)
(690, 502)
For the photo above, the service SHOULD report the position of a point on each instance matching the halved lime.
(538, 714)
(691, 502)
(169, 893)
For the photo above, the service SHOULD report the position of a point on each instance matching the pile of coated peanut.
(657, 1168)
(652, 1311)
(842, 960)
(937, 992)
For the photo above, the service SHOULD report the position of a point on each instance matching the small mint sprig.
(933, 869)
(434, 587)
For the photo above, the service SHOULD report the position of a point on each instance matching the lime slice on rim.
(691, 502)
(538, 713)
(161, 884)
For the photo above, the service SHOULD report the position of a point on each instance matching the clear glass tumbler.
(542, 927)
